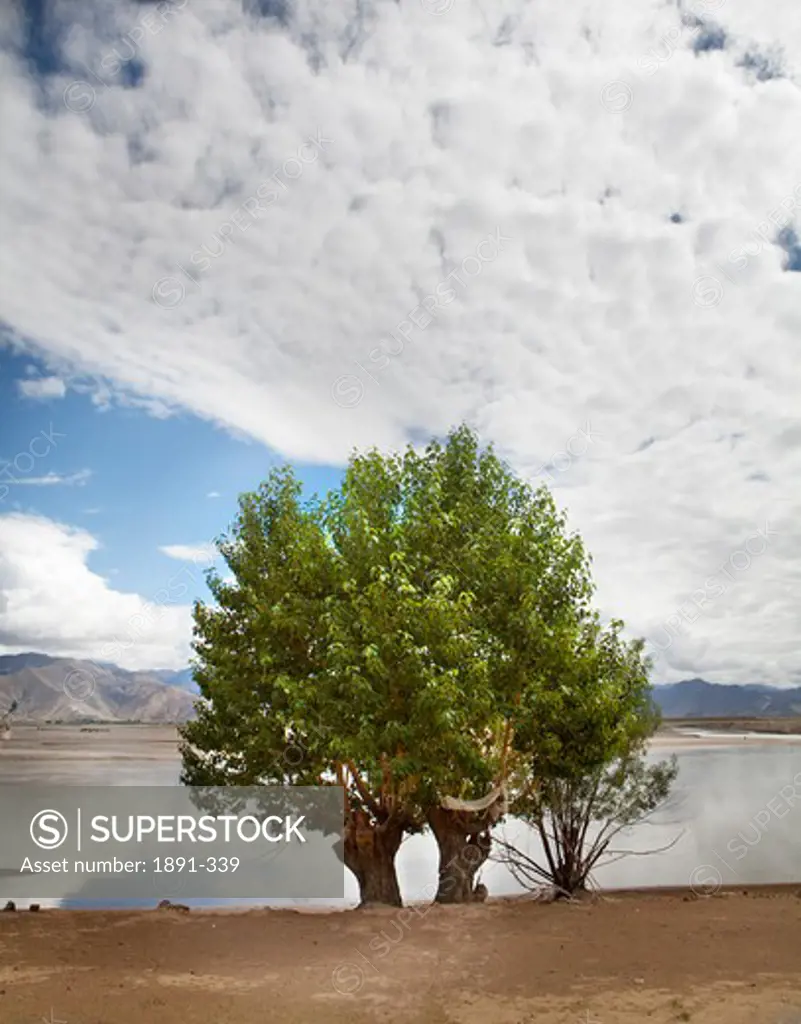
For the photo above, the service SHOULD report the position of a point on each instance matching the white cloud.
(52, 479)
(213, 494)
(622, 191)
(51, 601)
(42, 387)
(203, 553)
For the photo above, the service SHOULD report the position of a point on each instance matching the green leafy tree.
(408, 658)
(386, 640)
(274, 709)
(525, 579)
(582, 774)
(258, 648)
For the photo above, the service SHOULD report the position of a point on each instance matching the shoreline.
(685, 893)
(620, 958)
(712, 739)
(159, 741)
(663, 953)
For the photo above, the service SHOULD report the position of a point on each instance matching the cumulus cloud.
(287, 227)
(42, 387)
(190, 552)
(51, 601)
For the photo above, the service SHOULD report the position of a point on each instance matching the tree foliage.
(583, 777)
(420, 632)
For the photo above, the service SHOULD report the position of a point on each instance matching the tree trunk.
(464, 844)
(370, 854)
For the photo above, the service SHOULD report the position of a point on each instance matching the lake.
(734, 816)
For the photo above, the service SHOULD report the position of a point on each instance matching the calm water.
(734, 817)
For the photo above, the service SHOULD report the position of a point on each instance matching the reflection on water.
(734, 816)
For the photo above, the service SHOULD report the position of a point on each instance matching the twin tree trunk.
(464, 844)
(370, 851)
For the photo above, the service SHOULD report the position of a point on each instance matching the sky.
(245, 232)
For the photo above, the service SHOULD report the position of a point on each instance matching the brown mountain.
(72, 690)
(696, 698)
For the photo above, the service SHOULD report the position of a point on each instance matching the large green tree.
(509, 554)
(385, 639)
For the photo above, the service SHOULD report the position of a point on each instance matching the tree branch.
(378, 812)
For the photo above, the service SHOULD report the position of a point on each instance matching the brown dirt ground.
(625, 958)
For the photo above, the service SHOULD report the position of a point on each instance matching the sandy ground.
(42, 749)
(53, 743)
(626, 959)
(679, 741)
(623, 959)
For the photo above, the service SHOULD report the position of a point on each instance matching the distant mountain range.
(696, 698)
(73, 690)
